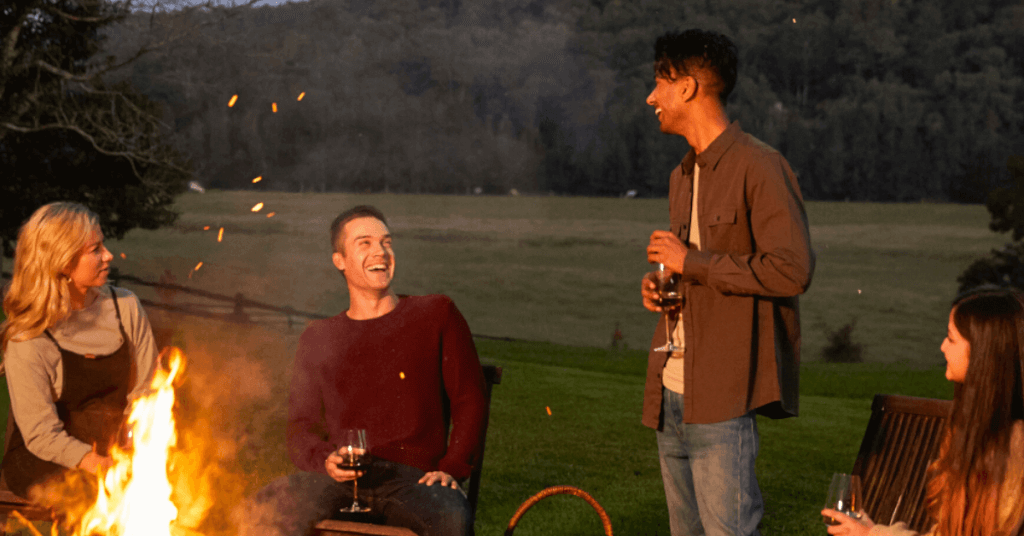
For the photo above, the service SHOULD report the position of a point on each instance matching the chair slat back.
(900, 442)
(492, 377)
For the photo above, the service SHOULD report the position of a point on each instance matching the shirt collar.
(714, 152)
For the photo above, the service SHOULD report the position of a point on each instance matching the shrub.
(840, 347)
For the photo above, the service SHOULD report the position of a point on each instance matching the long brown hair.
(48, 244)
(965, 494)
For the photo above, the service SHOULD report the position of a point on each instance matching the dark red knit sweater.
(401, 377)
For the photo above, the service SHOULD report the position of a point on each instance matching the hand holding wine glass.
(843, 510)
(355, 457)
(670, 299)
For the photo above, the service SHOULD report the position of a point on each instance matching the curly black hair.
(696, 50)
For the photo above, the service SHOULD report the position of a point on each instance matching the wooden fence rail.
(235, 308)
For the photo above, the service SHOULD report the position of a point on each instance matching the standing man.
(405, 369)
(740, 240)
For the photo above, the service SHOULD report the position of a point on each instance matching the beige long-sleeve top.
(1010, 491)
(35, 375)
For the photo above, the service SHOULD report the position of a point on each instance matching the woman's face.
(957, 351)
(91, 266)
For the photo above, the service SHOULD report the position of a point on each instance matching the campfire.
(134, 496)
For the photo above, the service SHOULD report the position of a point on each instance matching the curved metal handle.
(555, 490)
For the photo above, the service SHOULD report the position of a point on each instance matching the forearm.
(899, 529)
(782, 272)
(770, 253)
(466, 390)
(306, 449)
(34, 412)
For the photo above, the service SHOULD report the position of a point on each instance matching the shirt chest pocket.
(726, 231)
(721, 219)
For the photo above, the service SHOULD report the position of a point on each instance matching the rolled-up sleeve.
(31, 373)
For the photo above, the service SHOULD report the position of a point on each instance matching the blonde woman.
(75, 349)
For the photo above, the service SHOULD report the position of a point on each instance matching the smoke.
(231, 414)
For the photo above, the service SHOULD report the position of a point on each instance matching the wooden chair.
(11, 503)
(902, 438)
(492, 375)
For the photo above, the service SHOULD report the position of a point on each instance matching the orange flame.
(401, 375)
(234, 99)
(548, 408)
(206, 228)
(220, 235)
(123, 256)
(303, 94)
(134, 495)
(273, 106)
(271, 214)
(257, 207)
(257, 179)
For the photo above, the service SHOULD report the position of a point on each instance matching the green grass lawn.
(558, 275)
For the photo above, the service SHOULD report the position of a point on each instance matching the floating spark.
(273, 106)
(257, 179)
(257, 207)
(548, 408)
(220, 234)
(271, 214)
(303, 94)
(234, 99)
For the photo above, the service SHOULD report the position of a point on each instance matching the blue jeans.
(292, 505)
(708, 472)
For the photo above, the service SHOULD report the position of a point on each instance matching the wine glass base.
(355, 509)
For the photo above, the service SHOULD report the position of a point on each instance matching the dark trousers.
(292, 505)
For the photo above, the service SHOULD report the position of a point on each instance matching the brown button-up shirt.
(740, 312)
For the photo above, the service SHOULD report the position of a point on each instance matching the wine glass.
(844, 496)
(355, 457)
(669, 298)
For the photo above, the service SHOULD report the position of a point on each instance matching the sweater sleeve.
(31, 371)
(307, 429)
(899, 529)
(782, 264)
(144, 350)
(464, 385)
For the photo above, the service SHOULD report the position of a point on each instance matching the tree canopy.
(69, 133)
(868, 99)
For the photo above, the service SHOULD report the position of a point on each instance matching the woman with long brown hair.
(977, 482)
(76, 350)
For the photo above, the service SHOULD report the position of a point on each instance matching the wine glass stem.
(355, 492)
(668, 329)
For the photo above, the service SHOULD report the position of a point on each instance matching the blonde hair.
(48, 244)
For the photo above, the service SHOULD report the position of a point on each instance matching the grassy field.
(566, 270)
(516, 267)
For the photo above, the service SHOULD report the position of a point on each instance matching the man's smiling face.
(366, 257)
(668, 103)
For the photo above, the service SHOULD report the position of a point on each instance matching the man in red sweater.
(405, 369)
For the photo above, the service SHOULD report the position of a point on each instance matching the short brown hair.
(360, 211)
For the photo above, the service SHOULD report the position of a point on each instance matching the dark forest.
(881, 100)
